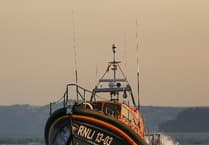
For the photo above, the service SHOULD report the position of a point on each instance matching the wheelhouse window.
(97, 106)
(127, 114)
(112, 109)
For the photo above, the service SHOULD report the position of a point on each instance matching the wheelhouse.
(127, 115)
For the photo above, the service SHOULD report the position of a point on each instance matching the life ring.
(89, 105)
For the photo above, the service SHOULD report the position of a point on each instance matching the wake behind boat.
(107, 115)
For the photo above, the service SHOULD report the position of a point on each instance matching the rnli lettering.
(92, 135)
(86, 132)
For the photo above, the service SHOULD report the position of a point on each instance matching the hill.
(18, 120)
(189, 120)
(153, 115)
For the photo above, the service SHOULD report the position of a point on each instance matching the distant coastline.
(195, 119)
(21, 120)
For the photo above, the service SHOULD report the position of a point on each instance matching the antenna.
(125, 52)
(75, 54)
(96, 73)
(137, 60)
(114, 51)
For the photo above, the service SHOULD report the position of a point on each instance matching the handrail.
(65, 97)
(72, 84)
(78, 88)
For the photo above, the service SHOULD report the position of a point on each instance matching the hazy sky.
(36, 48)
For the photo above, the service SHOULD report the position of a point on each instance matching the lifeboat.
(106, 115)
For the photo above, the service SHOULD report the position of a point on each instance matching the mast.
(114, 62)
(115, 84)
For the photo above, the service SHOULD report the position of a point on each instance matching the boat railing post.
(84, 95)
(50, 108)
(64, 101)
(66, 97)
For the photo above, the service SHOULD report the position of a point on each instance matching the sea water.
(185, 138)
(190, 138)
(21, 140)
(166, 139)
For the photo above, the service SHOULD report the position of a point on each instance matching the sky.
(37, 57)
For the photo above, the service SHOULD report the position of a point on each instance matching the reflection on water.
(167, 139)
